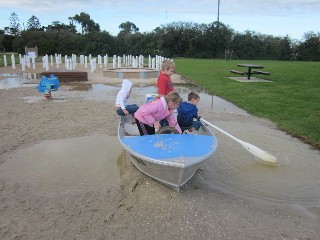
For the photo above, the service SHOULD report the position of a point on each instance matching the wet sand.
(51, 199)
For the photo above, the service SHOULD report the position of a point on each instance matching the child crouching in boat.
(122, 106)
(187, 111)
(149, 114)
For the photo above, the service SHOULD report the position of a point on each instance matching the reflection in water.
(123, 163)
(15, 83)
(21, 75)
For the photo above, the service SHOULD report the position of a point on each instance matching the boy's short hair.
(193, 95)
(167, 64)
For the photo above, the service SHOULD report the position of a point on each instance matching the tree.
(128, 28)
(59, 26)
(33, 23)
(310, 49)
(14, 28)
(87, 24)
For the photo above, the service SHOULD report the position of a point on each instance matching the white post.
(74, 60)
(51, 60)
(13, 62)
(81, 59)
(23, 64)
(85, 61)
(47, 62)
(113, 63)
(33, 62)
(5, 60)
(153, 63)
(66, 64)
(105, 60)
(27, 60)
(57, 60)
(93, 65)
(119, 62)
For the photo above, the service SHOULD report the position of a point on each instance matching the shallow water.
(88, 162)
(293, 180)
(12, 82)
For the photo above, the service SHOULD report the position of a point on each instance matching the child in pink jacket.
(149, 114)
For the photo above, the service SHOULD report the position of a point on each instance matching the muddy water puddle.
(88, 162)
(293, 181)
(103, 92)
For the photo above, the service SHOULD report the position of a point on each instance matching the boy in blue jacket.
(187, 111)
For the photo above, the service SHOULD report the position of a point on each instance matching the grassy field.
(292, 100)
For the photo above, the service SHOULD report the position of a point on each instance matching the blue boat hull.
(169, 158)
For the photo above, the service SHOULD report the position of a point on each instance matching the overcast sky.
(275, 17)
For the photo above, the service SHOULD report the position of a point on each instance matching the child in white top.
(122, 104)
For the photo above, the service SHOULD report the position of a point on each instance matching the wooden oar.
(263, 155)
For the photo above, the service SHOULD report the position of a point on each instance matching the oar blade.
(263, 155)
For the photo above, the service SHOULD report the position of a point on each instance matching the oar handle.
(220, 130)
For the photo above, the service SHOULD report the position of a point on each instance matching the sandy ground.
(140, 208)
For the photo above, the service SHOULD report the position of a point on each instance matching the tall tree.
(33, 23)
(87, 24)
(14, 28)
(128, 28)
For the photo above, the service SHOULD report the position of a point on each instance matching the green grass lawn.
(292, 100)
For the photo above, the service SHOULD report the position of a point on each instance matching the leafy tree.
(127, 38)
(33, 23)
(128, 28)
(59, 26)
(310, 49)
(87, 24)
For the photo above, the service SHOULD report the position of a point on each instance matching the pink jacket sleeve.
(173, 121)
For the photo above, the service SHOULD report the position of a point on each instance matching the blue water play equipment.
(46, 85)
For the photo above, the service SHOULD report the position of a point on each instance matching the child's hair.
(193, 95)
(167, 64)
(174, 97)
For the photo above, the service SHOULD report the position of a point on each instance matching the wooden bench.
(260, 72)
(68, 76)
(238, 72)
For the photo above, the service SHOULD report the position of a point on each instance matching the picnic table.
(250, 72)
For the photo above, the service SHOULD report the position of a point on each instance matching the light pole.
(218, 10)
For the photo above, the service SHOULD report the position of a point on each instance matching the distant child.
(187, 111)
(149, 114)
(121, 105)
(164, 82)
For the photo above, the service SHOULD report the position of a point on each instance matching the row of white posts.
(71, 62)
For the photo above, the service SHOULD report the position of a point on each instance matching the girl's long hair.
(172, 96)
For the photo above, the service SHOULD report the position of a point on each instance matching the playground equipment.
(46, 85)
